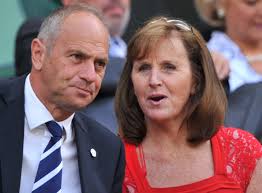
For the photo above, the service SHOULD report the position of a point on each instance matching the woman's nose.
(155, 78)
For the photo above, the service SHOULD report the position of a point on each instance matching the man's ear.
(38, 52)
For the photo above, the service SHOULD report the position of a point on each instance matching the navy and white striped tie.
(49, 173)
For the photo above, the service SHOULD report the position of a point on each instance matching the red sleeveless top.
(235, 153)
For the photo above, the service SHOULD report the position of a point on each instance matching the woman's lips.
(156, 98)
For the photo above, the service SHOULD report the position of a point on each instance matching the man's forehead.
(81, 17)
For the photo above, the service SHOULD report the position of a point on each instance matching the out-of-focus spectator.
(117, 14)
(241, 41)
(237, 51)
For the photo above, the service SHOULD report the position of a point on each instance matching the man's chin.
(76, 107)
(77, 104)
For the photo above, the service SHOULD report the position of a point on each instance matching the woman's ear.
(193, 90)
(220, 8)
(38, 52)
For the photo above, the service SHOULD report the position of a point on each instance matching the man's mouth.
(115, 11)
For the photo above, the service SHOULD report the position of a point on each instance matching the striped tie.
(49, 173)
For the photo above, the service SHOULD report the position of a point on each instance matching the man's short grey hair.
(51, 26)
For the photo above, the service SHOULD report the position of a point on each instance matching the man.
(45, 144)
(116, 14)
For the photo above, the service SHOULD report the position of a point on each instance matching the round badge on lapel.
(93, 152)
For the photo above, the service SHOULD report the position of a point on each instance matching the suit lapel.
(87, 163)
(12, 135)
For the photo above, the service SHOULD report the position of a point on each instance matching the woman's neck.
(166, 134)
(253, 52)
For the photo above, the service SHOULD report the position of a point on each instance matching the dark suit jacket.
(245, 109)
(97, 175)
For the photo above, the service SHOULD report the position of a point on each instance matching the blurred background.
(12, 14)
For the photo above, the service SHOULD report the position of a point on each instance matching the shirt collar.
(117, 47)
(224, 43)
(37, 114)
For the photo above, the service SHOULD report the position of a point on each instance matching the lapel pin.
(93, 152)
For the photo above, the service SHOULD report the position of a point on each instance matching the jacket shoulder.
(12, 89)
(97, 130)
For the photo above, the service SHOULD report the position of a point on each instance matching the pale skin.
(166, 74)
(243, 25)
(116, 13)
(69, 77)
(221, 65)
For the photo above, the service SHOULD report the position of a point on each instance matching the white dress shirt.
(241, 71)
(117, 47)
(36, 138)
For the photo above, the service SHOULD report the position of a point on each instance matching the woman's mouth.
(156, 99)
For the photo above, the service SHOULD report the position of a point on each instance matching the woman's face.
(243, 19)
(163, 81)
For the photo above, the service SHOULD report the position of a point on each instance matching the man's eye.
(77, 57)
(100, 65)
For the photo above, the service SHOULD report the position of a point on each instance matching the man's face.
(71, 75)
(116, 13)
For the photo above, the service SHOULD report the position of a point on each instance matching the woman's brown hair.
(205, 108)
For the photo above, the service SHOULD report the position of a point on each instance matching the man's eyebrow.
(103, 59)
(77, 51)
(86, 55)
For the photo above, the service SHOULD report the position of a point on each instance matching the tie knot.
(116, 41)
(54, 129)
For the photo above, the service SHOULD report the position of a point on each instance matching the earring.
(220, 13)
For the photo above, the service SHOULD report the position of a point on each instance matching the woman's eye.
(144, 67)
(168, 66)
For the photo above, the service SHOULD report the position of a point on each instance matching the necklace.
(254, 58)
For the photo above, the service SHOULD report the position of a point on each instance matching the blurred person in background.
(170, 106)
(241, 42)
(117, 14)
(237, 54)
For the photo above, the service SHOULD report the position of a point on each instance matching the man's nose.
(88, 72)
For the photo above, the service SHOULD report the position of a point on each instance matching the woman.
(170, 107)
(241, 43)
